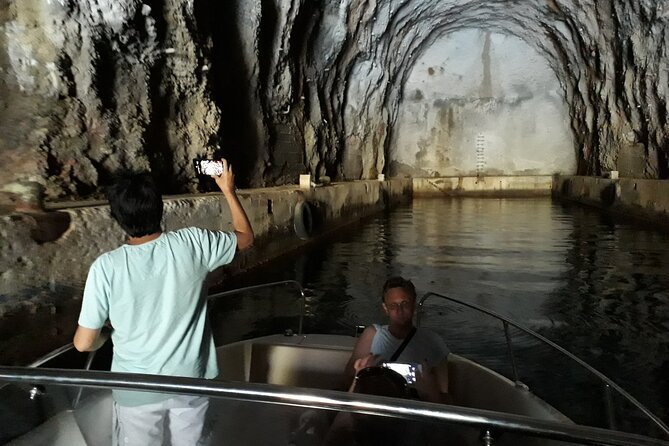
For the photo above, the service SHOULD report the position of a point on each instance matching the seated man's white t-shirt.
(425, 345)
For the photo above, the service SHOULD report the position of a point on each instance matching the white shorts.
(177, 421)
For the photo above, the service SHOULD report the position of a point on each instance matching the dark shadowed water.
(598, 287)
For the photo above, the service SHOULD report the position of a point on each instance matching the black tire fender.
(303, 222)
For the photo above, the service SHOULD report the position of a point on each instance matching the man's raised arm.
(240, 222)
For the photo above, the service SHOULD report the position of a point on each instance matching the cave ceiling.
(285, 87)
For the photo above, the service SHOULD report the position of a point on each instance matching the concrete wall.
(44, 258)
(498, 186)
(477, 102)
(648, 199)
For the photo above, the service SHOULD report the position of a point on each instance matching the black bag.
(381, 381)
(384, 381)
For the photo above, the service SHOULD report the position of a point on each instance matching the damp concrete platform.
(491, 186)
(639, 198)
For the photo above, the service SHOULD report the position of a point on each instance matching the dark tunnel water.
(597, 286)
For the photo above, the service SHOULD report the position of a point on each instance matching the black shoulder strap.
(400, 349)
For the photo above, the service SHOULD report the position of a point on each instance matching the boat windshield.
(586, 396)
(576, 389)
(76, 406)
(536, 364)
(62, 407)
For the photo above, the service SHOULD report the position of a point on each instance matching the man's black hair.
(398, 282)
(136, 203)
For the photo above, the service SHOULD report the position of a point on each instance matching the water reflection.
(590, 283)
(614, 296)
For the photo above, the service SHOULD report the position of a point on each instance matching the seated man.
(382, 343)
(399, 341)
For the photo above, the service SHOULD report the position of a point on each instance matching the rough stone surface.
(94, 86)
(29, 263)
(284, 87)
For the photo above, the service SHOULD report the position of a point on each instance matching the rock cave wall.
(282, 87)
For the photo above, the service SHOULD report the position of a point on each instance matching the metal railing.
(358, 403)
(51, 355)
(91, 355)
(608, 383)
(303, 293)
(485, 420)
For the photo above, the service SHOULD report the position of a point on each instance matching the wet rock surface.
(282, 87)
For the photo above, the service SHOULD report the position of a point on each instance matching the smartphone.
(208, 167)
(408, 371)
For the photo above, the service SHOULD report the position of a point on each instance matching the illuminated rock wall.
(283, 87)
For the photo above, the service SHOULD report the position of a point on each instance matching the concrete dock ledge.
(489, 186)
(641, 198)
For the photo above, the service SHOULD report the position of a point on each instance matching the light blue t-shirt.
(155, 298)
(425, 345)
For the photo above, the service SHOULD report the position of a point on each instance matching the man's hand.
(427, 385)
(226, 180)
(362, 363)
(240, 221)
(367, 361)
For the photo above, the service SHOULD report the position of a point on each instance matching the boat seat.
(299, 365)
(59, 430)
(89, 424)
(312, 361)
(472, 385)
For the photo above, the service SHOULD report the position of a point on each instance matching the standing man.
(153, 292)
